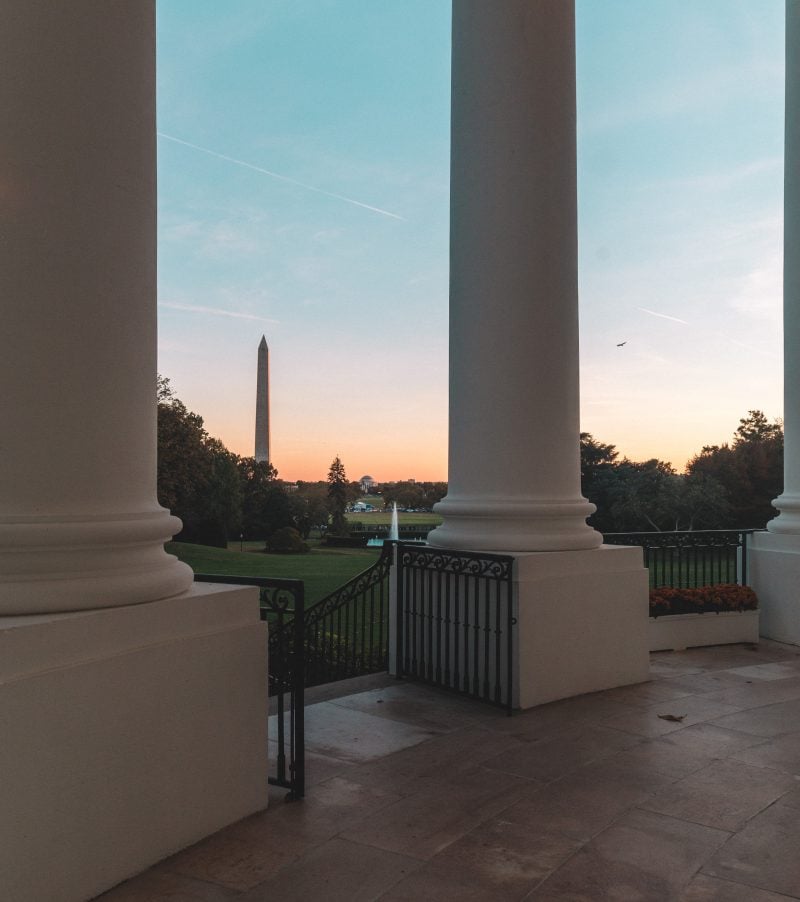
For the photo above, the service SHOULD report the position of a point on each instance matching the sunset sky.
(303, 194)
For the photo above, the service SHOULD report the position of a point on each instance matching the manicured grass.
(322, 570)
(384, 518)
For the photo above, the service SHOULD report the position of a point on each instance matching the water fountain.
(394, 530)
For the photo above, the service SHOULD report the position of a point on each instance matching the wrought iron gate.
(455, 621)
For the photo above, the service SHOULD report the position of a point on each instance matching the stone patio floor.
(686, 787)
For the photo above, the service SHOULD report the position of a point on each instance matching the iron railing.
(455, 621)
(346, 634)
(283, 607)
(690, 559)
(381, 530)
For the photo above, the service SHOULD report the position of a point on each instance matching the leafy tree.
(755, 428)
(750, 470)
(286, 541)
(337, 497)
(196, 474)
(597, 480)
(265, 502)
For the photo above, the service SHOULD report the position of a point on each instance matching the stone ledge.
(32, 644)
(128, 734)
(675, 632)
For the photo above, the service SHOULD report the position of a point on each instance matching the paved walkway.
(685, 788)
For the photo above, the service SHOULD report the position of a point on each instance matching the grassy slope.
(322, 569)
(383, 518)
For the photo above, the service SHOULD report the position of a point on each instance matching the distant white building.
(367, 484)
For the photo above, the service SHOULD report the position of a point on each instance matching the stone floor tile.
(253, 850)
(548, 720)
(727, 657)
(725, 795)
(582, 804)
(709, 741)
(322, 767)
(337, 871)
(782, 753)
(645, 694)
(705, 681)
(350, 735)
(421, 706)
(160, 886)
(711, 889)
(792, 799)
(773, 671)
(560, 754)
(757, 692)
(665, 664)
(764, 854)
(656, 758)
(438, 813)
(642, 856)
(656, 720)
(768, 721)
(443, 757)
(428, 885)
(498, 857)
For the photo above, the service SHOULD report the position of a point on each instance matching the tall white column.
(80, 526)
(87, 685)
(775, 555)
(514, 466)
(788, 521)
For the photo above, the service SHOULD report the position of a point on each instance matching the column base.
(774, 571)
(582, 623)
(512, 525)
(788, 520)
(51, 564)
(127, 735)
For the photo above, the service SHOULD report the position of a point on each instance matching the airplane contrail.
(282, 178)
(215, 311)
(663, 315)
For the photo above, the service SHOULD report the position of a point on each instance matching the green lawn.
(322, 570)
(384, 518)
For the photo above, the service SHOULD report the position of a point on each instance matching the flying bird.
(621, 344)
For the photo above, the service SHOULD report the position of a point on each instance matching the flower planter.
(674, 632)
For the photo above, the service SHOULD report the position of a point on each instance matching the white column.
(775, 555)
(788, 503)
(514, 465)
(129, 729)
(80, 526)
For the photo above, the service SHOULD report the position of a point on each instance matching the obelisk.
(262, 402)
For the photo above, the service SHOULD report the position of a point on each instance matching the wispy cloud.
(215, 311)
(674, 319)
(282, 178)
(681, 94)
(723, 178)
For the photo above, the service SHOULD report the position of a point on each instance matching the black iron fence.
(283, 607)
(381, 530)
(684, 560)
(455, 621)
(346, 634)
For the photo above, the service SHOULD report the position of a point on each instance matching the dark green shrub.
(333, 541)
(286, 541)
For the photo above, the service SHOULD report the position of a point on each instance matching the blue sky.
(332, 238)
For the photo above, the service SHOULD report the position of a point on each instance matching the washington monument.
(262, 402)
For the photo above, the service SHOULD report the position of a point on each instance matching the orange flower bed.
(705, 599)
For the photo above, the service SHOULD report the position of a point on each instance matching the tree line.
(221, 496)
(728, 486)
